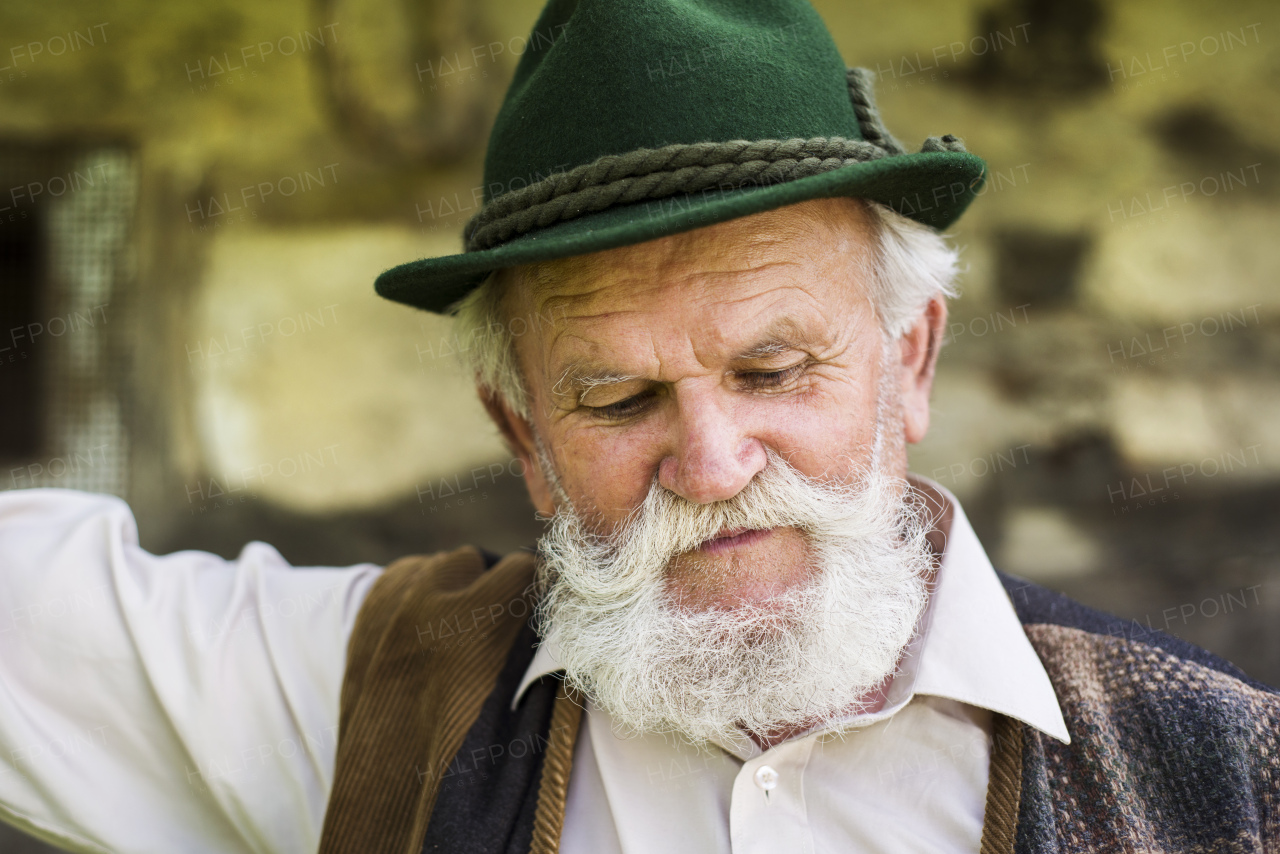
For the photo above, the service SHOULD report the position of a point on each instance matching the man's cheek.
(811, 437)
(610, 477)
(599, 496)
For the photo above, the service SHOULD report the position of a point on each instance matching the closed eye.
(766, 380)
(624, 409)
(751, 380)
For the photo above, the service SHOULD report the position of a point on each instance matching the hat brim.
(931, 187)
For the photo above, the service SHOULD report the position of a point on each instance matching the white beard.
(804, 658)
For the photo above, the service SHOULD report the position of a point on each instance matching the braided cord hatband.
(647, 174)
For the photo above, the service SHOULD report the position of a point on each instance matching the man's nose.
(711, 456)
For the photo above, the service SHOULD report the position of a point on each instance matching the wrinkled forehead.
(820, 249)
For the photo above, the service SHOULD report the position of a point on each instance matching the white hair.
(912, 265)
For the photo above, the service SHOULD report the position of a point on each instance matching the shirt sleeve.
(163, 703)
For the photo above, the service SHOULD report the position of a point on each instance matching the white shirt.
(189, 703)
(163, 704)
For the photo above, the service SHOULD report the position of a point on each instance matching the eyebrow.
(582, 379)
(769, 347)
(781, 336)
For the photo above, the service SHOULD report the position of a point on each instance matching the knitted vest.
(1173, 749)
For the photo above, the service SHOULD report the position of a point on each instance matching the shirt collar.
(971, 647)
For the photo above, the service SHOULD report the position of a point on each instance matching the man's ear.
(517, 433)
(919, 351)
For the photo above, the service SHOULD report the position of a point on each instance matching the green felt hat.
(629, 120)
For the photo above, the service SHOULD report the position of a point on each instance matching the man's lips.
(733, 538)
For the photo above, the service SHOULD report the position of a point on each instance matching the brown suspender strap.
(1004, 788)
(428, 644)
(553, 791)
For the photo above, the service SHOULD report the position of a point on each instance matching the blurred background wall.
(195, 198)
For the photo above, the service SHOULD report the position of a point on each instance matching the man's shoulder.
(420, 600)
(458, 570)
(1040, 606)
(1129, 690)
(1157, 725)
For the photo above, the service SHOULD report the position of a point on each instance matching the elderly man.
(752, 629)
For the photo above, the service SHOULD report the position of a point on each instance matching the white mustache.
(666, 525)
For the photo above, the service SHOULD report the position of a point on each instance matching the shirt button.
(766, 778)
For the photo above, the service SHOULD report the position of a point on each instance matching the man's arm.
(175, 703)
